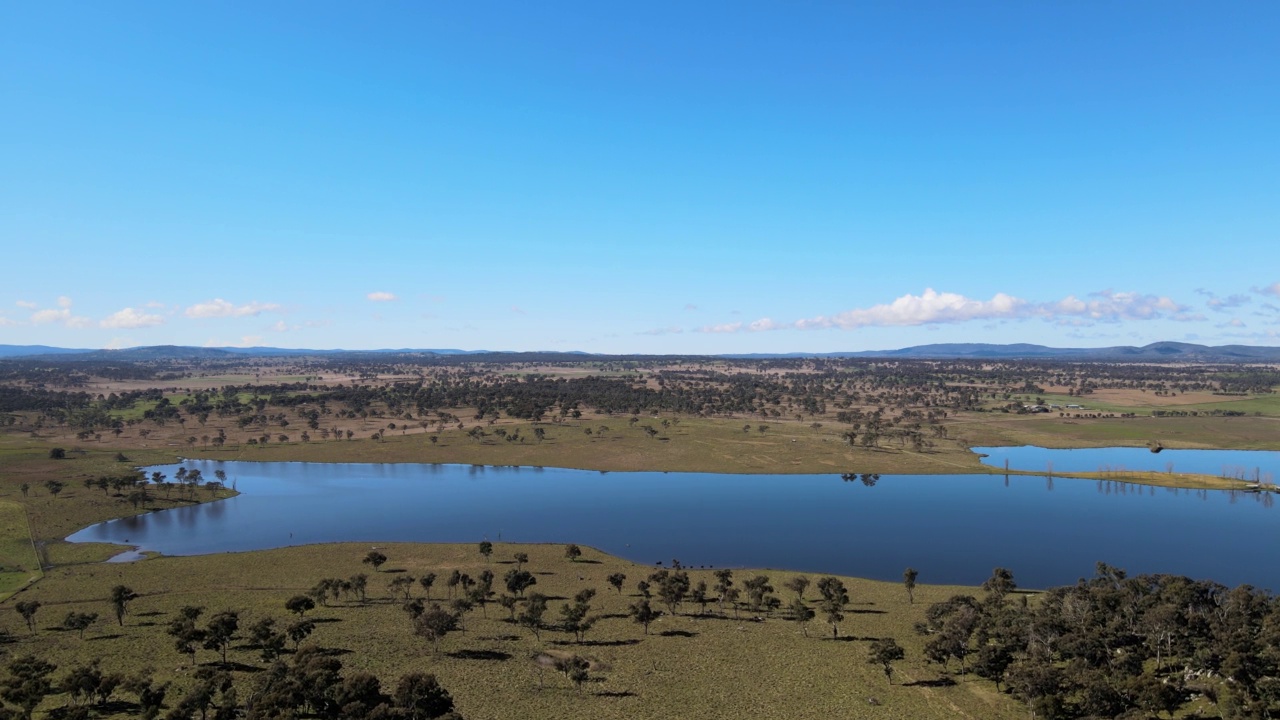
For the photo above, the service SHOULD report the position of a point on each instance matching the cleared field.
(688, 665)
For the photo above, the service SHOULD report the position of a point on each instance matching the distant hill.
(1155, 352)
(22, 350)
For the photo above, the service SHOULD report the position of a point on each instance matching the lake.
(1251, 465)
(953, 529)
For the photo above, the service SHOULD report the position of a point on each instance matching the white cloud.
(61, 316)
(221, 308)
(673, 330)
(281, 326)
(690, 307)
(117, 343)
(131, 318)
(518, 310)
(381, 296)
(1272, 289)
(929, 307)
(934, 308)
(26, 305)
(726, 328)
(6, 322)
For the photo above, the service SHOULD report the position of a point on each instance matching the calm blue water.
(1242, 464)
(953, 529)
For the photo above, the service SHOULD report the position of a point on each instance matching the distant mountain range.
(1155, 352)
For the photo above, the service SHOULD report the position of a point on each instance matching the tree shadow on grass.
(319, 620)
(597, 643)
(113, 636)
(936, 683)
(479, 655)
(615, 694)
(678, 633)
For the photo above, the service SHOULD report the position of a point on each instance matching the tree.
(521, 558)
(798, 585)
(27, 609)
(401, 584)
(300, 631)
(420, 697)
(375, 558)
(28, 683)
(54, 487)
(299, 604)
(187, 638)
(909, 582)
(531, 617)
(573, 552)
(574, 667)
(433, 624)
(517, 581)
(426, 581)
(79, 622)
(616, 580)
(57, 453)
(802, 614)
(486, 549)
(884, 652)
(269, 641)
(121, 596)
(642, 613)
(221, 631)
(999, 584)
(834, 597)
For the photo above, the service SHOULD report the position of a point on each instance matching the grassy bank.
(686, 666)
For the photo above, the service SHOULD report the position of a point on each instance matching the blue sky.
(645, 177)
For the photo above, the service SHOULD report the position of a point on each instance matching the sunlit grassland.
(18, 562)
(688, 445)
(687, 666)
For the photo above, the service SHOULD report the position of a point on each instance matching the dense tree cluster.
(1114, 646)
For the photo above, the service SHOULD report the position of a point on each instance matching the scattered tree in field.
(269, 641)
(221, 631)
(359, 584)
(434, 624)
(375, 558)
(534, 610)
(420, 697)
(27, 609)
(798, 585)
(758, 592)
(25, 488)
(54, 487)
(834, 598)
(79, 622)
(517, 581)
(642, 613)
(299, 631)
(486, 549)
(187, 638)
(121, 596)
(455, 579)
(699, 595)
(909, 582)
(57, 453)
(299, 604)
(575, 668)
(521, 558)
(801, 614)
(574, 618)
(884, 652)
(401, 584)
(616, 580)
(999, 584)
(573, 552)
(426, 581)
